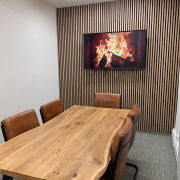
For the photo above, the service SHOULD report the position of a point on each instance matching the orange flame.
(116, 44)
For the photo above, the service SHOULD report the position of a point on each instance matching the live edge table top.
(74, 145)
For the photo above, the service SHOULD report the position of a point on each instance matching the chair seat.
(119, 152)
(107, 100)
(19, 123)
(50, 110)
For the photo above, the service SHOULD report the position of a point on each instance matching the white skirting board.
(175, 138)
(178, 168)
(178, 160)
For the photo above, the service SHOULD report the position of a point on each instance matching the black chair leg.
(133, 165)
(7, 177)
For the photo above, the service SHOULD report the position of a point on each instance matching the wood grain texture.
(74, 145)
(153, 89)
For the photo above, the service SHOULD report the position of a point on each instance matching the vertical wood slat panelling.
(153, 89)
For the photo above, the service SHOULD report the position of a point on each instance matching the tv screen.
(116, 50)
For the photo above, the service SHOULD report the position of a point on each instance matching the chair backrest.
(107, 100)
(18, 124)
(120, 149)
(134, 115)
(50, 110)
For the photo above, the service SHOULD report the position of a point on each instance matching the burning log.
(118, 61)
(117, 58)
(103, 62)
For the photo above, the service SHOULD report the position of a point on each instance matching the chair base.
(7, 177)
(133, 165)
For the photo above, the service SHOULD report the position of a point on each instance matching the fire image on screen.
(121, 50)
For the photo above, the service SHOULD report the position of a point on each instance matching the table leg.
(7, 177)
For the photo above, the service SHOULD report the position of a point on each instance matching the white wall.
(177, 127)
(176, 130)
(176, 133)
(28, 56)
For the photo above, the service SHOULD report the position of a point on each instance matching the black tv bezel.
(116, 32)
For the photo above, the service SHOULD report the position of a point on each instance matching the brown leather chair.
(119, 152)
(107, 100)
(50, 110)
(18, 124)
(134, 115)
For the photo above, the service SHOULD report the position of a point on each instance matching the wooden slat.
(153, 89)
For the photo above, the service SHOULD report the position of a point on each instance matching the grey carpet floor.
(154, 156)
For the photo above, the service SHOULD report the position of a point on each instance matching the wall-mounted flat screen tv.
(116, 50)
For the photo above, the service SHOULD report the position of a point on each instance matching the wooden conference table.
(74, 145)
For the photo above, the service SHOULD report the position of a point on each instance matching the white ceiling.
(68, 3)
